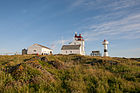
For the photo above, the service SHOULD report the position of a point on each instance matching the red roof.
(104, 40)
(78, 36)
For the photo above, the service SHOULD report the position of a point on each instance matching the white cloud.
(77, 3)
(124, 4)
(105, 4)
(124, 28)
(56, 45)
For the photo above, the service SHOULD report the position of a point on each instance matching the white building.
(39, 49)
(75, 47)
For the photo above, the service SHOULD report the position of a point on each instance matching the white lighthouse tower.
(105, 43)
(78, 40)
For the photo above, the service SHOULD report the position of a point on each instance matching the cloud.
(118, 22)
(106, 4)
(122, 4)
(58, 44)
(77, 3)
(124, 28)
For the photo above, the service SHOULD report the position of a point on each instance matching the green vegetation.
(68, 74)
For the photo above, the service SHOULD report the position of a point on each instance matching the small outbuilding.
(24, 51)
(95, 53)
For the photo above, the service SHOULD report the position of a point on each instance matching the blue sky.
(49, 22)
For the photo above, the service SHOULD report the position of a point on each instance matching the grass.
(68, 74)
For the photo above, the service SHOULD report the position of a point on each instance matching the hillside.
(68, 74)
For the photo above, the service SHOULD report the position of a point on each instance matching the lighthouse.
(78, 40)
(77, 46)
(105, 43)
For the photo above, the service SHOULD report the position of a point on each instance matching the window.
(105, 50)
(50, 52)
(66, 51)
(70, 51)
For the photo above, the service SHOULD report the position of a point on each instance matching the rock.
(44, 59)
(56, 64)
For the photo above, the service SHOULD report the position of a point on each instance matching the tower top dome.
(105, 42)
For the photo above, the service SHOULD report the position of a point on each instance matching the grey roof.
(95, 51)
(70, 47)
(42, 46)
